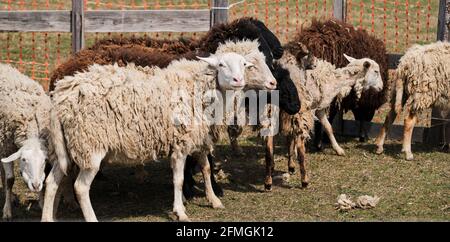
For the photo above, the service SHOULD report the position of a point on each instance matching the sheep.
(100, 114)
(24, 128)
(141, 51)
(317, 88)
(329, 40)
(421, 82)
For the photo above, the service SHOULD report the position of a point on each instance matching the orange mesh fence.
(400, 23)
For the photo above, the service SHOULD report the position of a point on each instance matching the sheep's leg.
(57, 199)
(83, 185)
(206, 170)
(269, 163)
(384, 130)
(178, 161)
(329, 130)
(68, 193)
(318, 136)
(301, 150)
(189, 182)
(51, 188)
(292, 154)
(8, 185)
(233, 133)
(216, 187)
(410, 121)
(2, 176)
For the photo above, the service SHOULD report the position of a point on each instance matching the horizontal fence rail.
(107, 21)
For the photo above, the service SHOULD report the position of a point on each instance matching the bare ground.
(416, 190)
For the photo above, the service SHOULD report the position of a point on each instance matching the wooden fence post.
(77, 25)
(219, 12)
(339, 9)
(435, 134)
(339, 12)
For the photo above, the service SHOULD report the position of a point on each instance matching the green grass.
(416, 190)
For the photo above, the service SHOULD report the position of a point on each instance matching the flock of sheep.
(111, 104)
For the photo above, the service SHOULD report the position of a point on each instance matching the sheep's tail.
(397, 97)
(58, 142)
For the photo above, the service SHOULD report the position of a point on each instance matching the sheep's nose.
(272, 84)
(36, 185)
(237, 80)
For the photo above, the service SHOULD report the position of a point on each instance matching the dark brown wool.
(103, 55)
(331, 39)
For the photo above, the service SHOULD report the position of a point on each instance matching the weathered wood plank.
(147, 21)
(35, 21)
(339, 9)
(219, 12)
(443, 20)
(77, 22)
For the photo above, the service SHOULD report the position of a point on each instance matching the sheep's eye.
(221, 65)
(23, 159)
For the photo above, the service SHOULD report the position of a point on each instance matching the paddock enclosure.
(36, 43)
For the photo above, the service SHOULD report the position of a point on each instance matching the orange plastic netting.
(399, 23)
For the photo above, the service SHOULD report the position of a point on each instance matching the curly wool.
(24, 111)
(118, 110)
(331, 39)
(424, 73)
(317, 89)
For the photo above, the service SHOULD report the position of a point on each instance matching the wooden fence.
(78, 22)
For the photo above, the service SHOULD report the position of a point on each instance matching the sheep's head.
(304, 57)
(32, 158)
(370, 71)
(258, 76)
(231, 69)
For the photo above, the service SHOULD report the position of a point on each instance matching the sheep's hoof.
(183, 218)
(47, 220)
(305, 184)
(409, 156)
(7, 216)
(363, 139)
(379, 150)
(268, 187)
(291, 170)
(340, 152)
(218, 206)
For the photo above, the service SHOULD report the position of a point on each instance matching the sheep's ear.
(212, 60)
(349, 58)
(12, 157)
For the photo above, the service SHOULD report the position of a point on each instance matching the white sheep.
(122, 114)
(24, 129)
(317, 88)
(422, 81)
